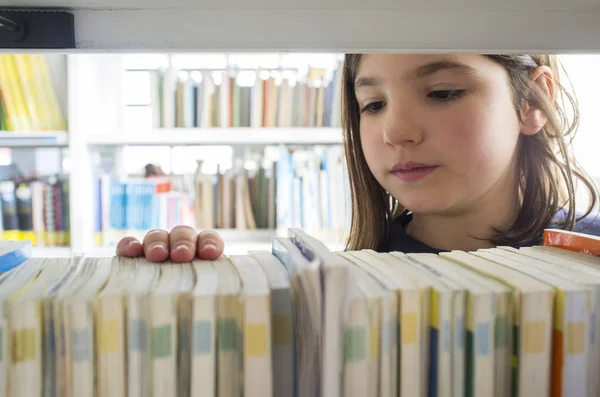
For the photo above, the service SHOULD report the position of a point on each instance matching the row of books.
(28, 97)
(193, 99)
(36, 211)
(136, 205)
(304, 188)
(300, 320)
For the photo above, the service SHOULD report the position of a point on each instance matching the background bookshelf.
(34, 186)
(279, 164)
(257, 171)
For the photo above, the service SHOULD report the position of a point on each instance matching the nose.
(400, 127)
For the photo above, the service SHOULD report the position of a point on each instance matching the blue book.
(13, 253)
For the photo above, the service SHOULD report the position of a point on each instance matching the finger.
(183, 243)
(129, 246)
(156, 245)
(210, 245)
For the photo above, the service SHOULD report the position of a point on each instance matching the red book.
(572, 241)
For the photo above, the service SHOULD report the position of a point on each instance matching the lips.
(411, 171)
(410, 166)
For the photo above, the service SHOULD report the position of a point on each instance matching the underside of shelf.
(222, 136)
(33, 139)
(342, 26)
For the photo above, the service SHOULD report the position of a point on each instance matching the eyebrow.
(421, 72)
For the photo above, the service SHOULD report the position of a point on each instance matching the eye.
(373, 107)
(445, 95)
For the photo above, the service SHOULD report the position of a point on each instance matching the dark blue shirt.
(400, 241)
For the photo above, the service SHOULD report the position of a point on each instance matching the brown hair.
(546, 167)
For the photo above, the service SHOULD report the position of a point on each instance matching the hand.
(181, 245)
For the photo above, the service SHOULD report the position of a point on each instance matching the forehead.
(403, 64)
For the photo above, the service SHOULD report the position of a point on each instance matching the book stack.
(294, 189)
(300, 320)
(206, 98)
(36, 210)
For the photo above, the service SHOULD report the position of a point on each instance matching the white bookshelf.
(96, 116)
(334, 25)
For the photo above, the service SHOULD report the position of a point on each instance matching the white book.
(533, 321)
(282, 331)
(570, 267)
(111, 326)
(256, 326)
(184, 328)
(380, 305)
(409, 314)
(447, 314)
(572, 324)
(11, 283)
(74, 311)
(305, 287)
(146, 277)
(163, 331)
(337, 282)
(203, 371)
(26, 319)
(229, 325)
(487, 303)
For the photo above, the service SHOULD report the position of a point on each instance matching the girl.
(444, 152)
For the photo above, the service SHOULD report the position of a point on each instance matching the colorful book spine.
(573, 241)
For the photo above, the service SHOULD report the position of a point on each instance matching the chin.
(425, 203)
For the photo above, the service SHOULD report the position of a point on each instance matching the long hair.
(547, 171)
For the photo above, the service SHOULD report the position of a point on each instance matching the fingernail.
(134, 243)
(158, 245)
(209, 247)
(181, 247)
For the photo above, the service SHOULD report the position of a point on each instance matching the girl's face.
(439, 132)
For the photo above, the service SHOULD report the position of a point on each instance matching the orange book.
(572, 241)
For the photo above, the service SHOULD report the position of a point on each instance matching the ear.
(533, 119)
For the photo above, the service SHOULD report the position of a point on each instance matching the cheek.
(372, 146)
(480, 141)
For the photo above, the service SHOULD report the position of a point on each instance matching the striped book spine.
(480, 339)
(282, 334)
(440, 381)
(533, 340)
(26, 348)
(257, 346)
(502, 343)
(388, 360)
(203, 370)
(228, 342)
(4, 343)
(137, 349)
(110, 346)
(570, 343)
(411, 363)
(375, 325)
(356, 350)
(162, 345)
(78, 346)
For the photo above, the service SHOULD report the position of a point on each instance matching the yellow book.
(51, 110)
(28, 84)
(13, 122)
(21, 113)
(256, 315)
